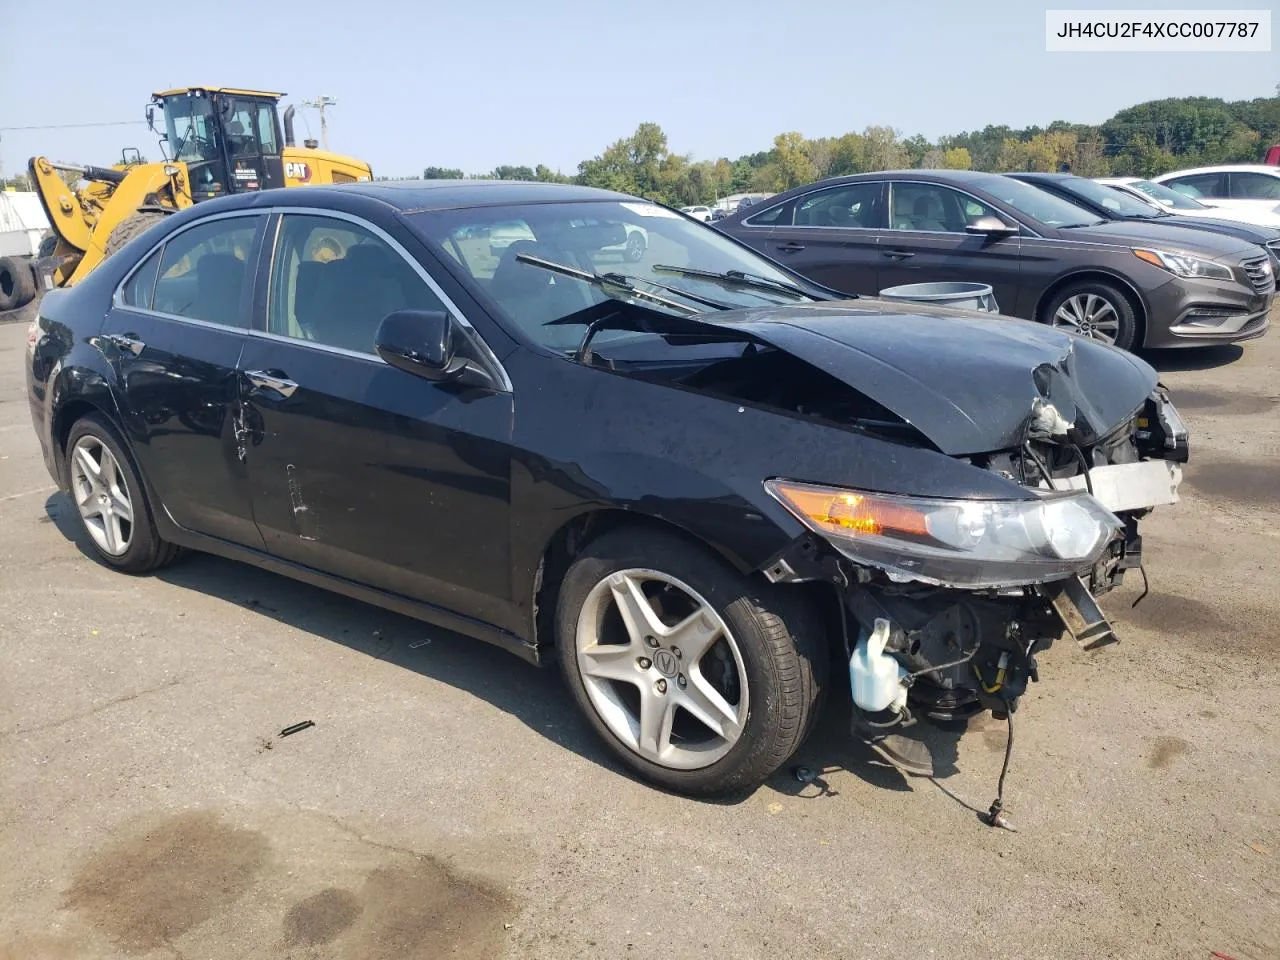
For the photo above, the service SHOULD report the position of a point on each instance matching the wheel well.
(1110, 279)
(68, 414)
(572, 538)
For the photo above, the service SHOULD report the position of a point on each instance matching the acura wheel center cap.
(666, 663)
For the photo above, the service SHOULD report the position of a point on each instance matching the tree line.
(1143, 140)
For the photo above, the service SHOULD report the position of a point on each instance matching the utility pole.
(319, 104)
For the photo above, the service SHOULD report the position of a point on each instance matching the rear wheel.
(109, 499)
(132, 226)
(17, 283)
(697, 678)
(1094, 309)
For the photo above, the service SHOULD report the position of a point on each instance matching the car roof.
(1038, 175)
(415, 196)
(1224, 168)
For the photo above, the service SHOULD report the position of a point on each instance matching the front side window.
(203, 271)
(1255, 186)
(853, 206)
(1166, 197)
(333, 282)
(141, 286)
(934, 208)
(1199, 185)
(644, 244)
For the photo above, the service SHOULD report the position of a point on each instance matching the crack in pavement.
(115, 701)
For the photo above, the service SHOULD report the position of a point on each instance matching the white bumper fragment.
(1129, 486)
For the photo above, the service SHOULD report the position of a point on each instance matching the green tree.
(957, 158)
(792, 166)
(442, 173)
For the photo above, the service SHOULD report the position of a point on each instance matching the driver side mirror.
(989, 225)
(424, 343)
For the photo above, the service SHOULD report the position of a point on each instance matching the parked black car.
(1112, 204)
(1132, 284)
(694, 482)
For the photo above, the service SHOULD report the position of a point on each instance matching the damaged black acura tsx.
(592, 430)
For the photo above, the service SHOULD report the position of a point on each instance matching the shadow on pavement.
(536, 696)
(1193, 358)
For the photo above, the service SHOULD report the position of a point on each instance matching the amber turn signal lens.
(850, 513)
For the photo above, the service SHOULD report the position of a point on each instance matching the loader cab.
(229, 139)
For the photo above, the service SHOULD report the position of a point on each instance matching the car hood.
(967, 381)
(1193, 240)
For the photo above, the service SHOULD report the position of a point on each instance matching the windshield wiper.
(734, 278)
(619, 285)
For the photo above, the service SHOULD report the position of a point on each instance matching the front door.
(357, 468)
(831, 237)
(926, 243)
(174, 339)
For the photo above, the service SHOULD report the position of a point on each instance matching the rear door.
(831, 236)
(1250, 189)
(926, 242)
(359, 469)
(174, 336)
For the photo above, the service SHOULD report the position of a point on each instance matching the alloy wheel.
(101, 496)
(1089, 315)
(662, 669)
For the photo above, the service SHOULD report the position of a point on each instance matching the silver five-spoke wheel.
(662, 669)
(1089, 315)
(101, 495)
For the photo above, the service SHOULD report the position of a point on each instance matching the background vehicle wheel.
(17, 283)
(697, 678)
(1094, 309)
(635, 247)
(130, 227)
(109, 499)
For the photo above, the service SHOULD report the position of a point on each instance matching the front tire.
(1094, 309)
(131, 226)
(109, 499)
(698, 679)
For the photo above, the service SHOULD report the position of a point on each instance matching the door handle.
(790, 247)
(897, 254)
(126, 341)
(269, 381)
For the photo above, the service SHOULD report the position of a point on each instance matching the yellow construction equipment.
(217, 141)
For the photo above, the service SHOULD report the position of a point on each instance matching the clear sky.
(477, 84)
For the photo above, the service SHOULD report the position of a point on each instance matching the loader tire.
(17, 283)
(130, 227)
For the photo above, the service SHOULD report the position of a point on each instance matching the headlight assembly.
(961, 543)
(1185, 265)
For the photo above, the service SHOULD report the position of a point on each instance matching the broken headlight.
(962, 543)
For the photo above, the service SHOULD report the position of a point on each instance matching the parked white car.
(698, 213)
(1243, 186)
(1166, 198)
(503, 235)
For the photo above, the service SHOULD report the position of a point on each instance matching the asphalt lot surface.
(449, 801)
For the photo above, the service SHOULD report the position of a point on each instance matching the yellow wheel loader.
(218, 140)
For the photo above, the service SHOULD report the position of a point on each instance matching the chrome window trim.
(890, 231)
(487, 354)
(117, 298)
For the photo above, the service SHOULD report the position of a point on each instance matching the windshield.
(1120, 204)
(628, 238)
(189, 124)
(1039, 204)
(1166, 197)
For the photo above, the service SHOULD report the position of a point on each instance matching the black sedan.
(1112, 204)
(1132, 284)
(695, 481)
